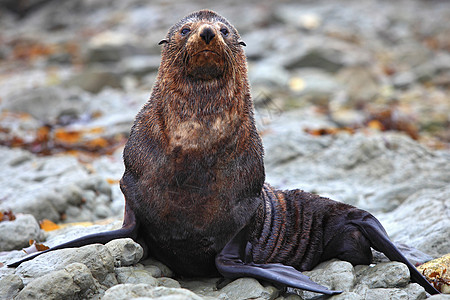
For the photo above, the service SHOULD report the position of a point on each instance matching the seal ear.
(242, 43)
(163, 42)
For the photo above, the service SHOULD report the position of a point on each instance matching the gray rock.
(10, 286)
(126, 252)
(160, 270)
(347, 296)
(320, 58)
(311, 52)
(73, 282)
(140, 65)
(69, 233)
(268, 73)
(289, 297)
(156, 272)
(248, 288)
(205, 287)
(135, 275)
(17, 234)
(52, 187)
(168, 282)
(376, 172)
(385, 275)
(360, 82)
(96, 257)
(334, 274)
(133, 291)
(392, 294)
(404, 79)
(46, 104)
(260, 44)
(422, 221)
(313, 85)
(415, 291)
(34, 185)
(94, 80)
(111, 46)
(439, 297)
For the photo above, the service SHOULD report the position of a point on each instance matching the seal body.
(194, 166)
(194, 189)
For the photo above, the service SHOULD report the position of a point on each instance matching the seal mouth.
(206, 51)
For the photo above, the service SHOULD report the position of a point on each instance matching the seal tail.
(129, 230)
(376, 234)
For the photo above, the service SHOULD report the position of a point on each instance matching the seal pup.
(194, 189)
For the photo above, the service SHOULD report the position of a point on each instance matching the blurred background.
(74, 73)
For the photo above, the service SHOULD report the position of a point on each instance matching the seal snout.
(207, 34)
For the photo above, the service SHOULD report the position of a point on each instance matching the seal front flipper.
(129, 229)
(230, 264)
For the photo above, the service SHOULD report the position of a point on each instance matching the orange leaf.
(67, 136)
(97, 130)
(97, 143)
(375, 124)
(42, 133)
(48, 225)
(7, 216)
(41, 247)
(34, 247)
(112, 181)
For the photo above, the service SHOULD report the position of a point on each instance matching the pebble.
(133, 291)
(95, 80)
(248, 288)
(334, 274)
(135, 276)
(16, 234)
(46, 104)
(382, 275)
(97, 259)
(10, 285)
(75, 281)
(126, 252)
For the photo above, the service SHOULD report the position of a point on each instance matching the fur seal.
(194, 189)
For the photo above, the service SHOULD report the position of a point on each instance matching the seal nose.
(207, 34)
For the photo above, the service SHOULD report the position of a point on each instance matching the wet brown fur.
(194, 160)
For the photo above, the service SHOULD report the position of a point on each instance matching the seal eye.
(224, 31)
(185, 31)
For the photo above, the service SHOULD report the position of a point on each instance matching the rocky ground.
(351, 97)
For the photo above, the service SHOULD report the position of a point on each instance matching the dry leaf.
(375, 124)
(34, 247)
(7, 216)
(70, 137)
(112, 181)
(48, 225)
(329, 131)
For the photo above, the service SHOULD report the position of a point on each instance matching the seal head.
(205, 46)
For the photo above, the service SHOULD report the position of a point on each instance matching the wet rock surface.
(73, 74)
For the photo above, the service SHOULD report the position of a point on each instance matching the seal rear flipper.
(129, 229)
(230, 264)
(375, 233)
